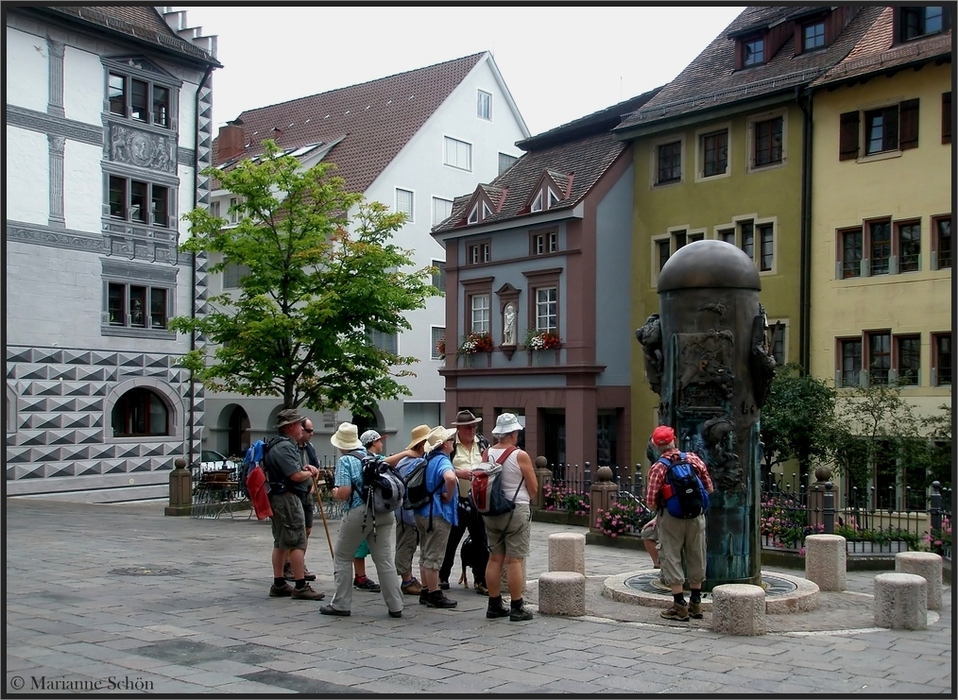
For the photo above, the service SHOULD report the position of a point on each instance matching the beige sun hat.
(419, 434)
(346, 437)
(437, 436)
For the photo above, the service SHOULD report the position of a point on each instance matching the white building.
(108, 123)
(413, 141)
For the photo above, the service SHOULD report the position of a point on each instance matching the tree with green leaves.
(798, 420)
(321, 275)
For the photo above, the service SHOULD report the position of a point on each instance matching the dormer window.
(916, 22)
(552, 199)
(544, 199)
(753, 52)
(473, 215)
(813, 36)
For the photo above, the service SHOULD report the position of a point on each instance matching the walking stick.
(322, 512)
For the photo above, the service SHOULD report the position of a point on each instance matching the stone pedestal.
(900, 601)
(562, 593)
(181, 490)
(602, 495)
(928, 566)
(543, 478)
(738, 609)
(825, 561)
(567, 552)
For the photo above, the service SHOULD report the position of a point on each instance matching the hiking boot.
(411, 587)
(330, 610)
(677, 612)
(518, 613)
(367, 585)
(395, 613)
(307, 593)
(481, 589)
(443, 585)
(288, 573)
(438, 599)
(695, 610)
(424, 596)
(284, 592)
(495, 608)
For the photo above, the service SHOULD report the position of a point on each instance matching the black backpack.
(383, 489)
(417, 495)
(683, 494)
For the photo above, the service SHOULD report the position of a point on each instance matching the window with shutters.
(441, 210)
(456, 153)
(885, 130)
(405, 203)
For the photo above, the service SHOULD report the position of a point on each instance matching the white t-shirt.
(511, 475)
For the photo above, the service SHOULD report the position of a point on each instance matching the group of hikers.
(452, 455)
(453, 459)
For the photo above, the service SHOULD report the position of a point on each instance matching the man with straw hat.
(288, 477)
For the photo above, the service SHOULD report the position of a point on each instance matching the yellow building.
(722, 153)
(881, 197)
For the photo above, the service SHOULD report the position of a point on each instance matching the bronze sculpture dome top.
(708, 263)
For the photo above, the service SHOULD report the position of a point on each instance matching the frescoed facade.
(107, 126)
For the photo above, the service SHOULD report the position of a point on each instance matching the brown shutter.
(848, 136)
(946, 117)
(908, 125)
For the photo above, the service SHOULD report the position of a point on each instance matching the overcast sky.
(560, 63)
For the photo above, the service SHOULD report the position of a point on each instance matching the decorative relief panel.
(142, 148)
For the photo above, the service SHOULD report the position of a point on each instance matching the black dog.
(471, 556)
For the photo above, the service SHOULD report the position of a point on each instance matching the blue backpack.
(682, 492)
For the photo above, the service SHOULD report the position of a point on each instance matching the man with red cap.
(678, 536)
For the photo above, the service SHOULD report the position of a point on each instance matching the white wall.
(82, 186)
(83, 86)
(26, 71)
(419, 167)
(28, 172)
(187, 110)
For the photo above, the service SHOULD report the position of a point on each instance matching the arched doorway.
(238, 440)
(368, 419)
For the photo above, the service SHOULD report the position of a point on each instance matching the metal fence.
(789, 514)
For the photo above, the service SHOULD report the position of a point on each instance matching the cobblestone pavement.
(119, 598)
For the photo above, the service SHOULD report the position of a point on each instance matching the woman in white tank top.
(508, 534)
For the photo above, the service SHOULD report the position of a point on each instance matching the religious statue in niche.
(509, 324)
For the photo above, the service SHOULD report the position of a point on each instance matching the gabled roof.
(875, 51)
(139, 22)
(577, 153)
(378, 117)
(711, 82)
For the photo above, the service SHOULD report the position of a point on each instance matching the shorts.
(362, 551)
(650, 532)
(288, 521)
(308, 509)
(510, 537)
(432, 545)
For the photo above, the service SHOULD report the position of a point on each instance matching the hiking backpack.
(682, 491)
(487, 494)
(382, 488)
(417, 495)
(253, 481)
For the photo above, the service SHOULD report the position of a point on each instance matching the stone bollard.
(738, 609)
(825, 561)
(602, 495)
(181, 490)
(928, 566)
(562, 593)
(900, 601)
(567, 552)
(544, 478)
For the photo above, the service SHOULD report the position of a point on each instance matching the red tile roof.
(710, 80)
(577, 153)
(378, 118)
(875, 51)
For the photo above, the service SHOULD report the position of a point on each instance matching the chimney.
(230, 143)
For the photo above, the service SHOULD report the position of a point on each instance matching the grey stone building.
(108, 125)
